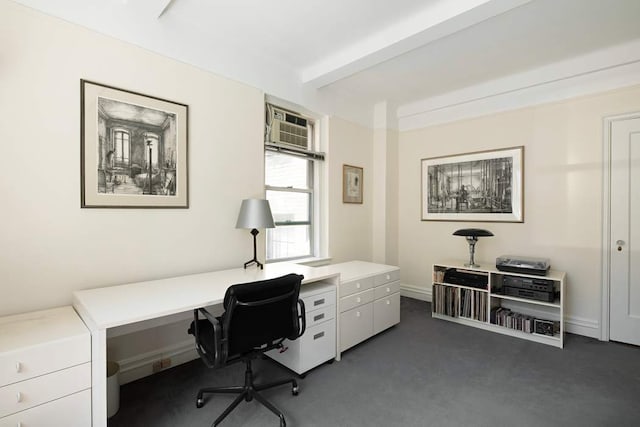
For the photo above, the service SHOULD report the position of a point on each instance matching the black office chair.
(258, 317)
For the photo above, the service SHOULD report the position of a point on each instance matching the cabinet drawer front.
(320, 315)
(387, 289)
(319, 301)
(355, 326)
(36, 391)
(20, 365)
(389, 277)
(386, 312)
(70, 411)
(348, 288)
(355, 300)
(317, 345)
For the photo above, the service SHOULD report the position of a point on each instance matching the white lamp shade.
(255, 213)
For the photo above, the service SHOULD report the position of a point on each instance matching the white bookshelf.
(476, 309)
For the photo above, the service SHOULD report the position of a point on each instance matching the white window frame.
(315, 179)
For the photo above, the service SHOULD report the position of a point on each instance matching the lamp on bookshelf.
(472, 234)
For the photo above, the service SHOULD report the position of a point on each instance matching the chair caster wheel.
(294, 390)
(199, 402)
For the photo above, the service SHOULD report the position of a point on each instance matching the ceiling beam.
(438, 20)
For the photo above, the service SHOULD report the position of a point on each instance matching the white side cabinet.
(369, 300)
(318, 344)
(45, 369)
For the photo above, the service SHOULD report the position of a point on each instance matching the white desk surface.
(354, 270)
(123, 304)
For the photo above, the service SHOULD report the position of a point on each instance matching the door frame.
(606, 218)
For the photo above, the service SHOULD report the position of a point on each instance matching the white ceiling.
(344, 56)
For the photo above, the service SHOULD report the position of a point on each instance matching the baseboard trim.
(141, 365)
(415, 292)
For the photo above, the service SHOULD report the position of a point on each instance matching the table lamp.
(254, 214)
(472, 234)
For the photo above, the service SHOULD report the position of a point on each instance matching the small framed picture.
(351, 184)
(133, 149)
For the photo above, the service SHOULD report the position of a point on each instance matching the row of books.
(504, 317)
(445, 300)
(438, 276)
(473, 304)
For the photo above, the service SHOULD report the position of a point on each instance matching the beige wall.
(563, 194)
(350, 226)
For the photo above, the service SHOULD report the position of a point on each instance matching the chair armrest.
(219, 355)
(302, 318)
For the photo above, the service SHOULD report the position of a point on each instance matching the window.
(291, 188)
(121, 147)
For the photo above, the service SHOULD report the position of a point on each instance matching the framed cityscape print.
(351, 184)
(481, 186)
(133, 149)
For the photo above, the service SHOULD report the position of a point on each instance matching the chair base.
(247, 392)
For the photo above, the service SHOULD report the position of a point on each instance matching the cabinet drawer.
(352, 301)
(36, 391)
(386, 312)
(389, 277)
(319, 301)
(34, 344)
(316, 346)
(355, 326)
(348, 288)
(70, 411)
(387, 289)
(320, 315)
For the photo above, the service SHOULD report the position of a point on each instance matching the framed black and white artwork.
(480, 186)
(351, 184)
(133, 149)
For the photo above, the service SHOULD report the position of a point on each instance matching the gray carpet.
(422, 372)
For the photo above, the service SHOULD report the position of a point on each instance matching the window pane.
(289, 206)
(282, 170)
(288, 241)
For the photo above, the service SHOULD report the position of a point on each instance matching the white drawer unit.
(45, 362)
(318, 344)
(356, 325)
(369, 300)
(386, 312)
(72, 411)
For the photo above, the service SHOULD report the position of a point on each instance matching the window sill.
(309, 261)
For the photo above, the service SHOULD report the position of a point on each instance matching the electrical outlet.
(157, 366)
(165, 363)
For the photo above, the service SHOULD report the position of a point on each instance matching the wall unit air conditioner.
(289, 129)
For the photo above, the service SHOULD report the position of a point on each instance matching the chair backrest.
(259, 315)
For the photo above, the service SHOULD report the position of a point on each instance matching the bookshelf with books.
(485, 298)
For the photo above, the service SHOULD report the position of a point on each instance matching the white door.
(624, 309)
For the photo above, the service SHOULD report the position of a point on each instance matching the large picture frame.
(484, 186)
(352, 184)
(133, 149)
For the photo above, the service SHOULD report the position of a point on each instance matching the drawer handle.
(318, 335)
(358, 299)
(18, 397)
(318, 302)
(388, 277)
(318, 317)
(358, 285)
(388, 302)
(388, 289)
(357, 314)
(18, 367)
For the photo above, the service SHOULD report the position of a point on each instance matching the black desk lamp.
(472, 234)
(254, 214)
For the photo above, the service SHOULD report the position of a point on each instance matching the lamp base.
(254, 261)
(254, 232)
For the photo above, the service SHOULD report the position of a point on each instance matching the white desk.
(108, 307)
